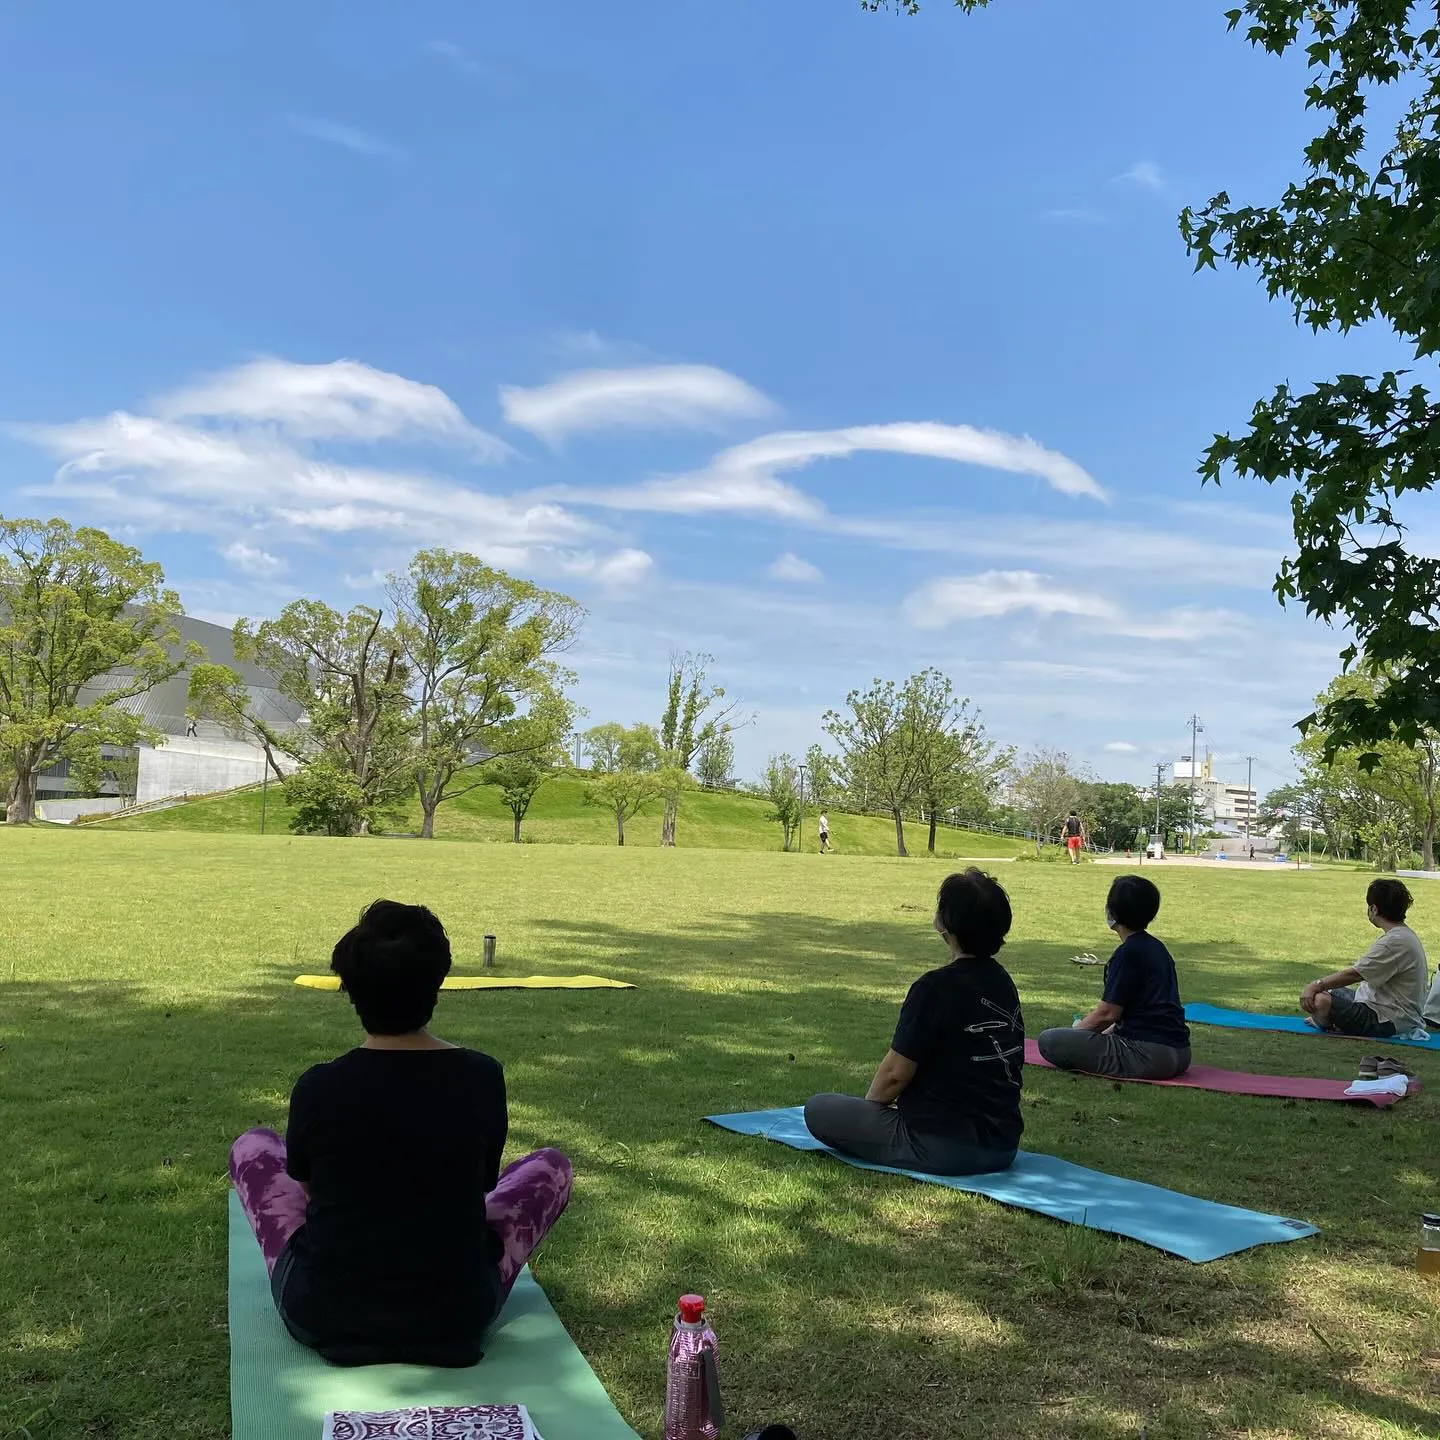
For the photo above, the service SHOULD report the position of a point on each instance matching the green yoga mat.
(281, 1391)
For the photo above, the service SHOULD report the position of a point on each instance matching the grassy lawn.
(711, 820)
(148, 1016)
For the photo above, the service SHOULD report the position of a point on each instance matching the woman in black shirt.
(946, 1098)
(389, 1231)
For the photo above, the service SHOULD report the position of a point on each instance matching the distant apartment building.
(1219, 805)
(194, 756)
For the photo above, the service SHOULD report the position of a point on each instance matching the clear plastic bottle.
(1427, 1254)
(692, 1385)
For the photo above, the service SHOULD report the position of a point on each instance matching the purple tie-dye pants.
(528, 1199)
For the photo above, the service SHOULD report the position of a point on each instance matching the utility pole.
(1249, 800)
(1160, 770)
(800, 827)
(1195, 728)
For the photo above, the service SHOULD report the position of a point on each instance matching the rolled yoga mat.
(1196, 1230)
(279, 1390)
(493, 982)
(1240, 1082)
(1291, 1025)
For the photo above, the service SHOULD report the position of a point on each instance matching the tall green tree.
(1114, 813)
(1045, 789)
(86, 627)
(896, 742)
(520, 778)
(780, 785)
(480, 650)
(1349, 242)
(696, 712)
(346, 674)
(633, 780)
(715, 761)
(961, 766)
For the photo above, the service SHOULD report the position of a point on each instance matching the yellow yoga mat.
(493, 982)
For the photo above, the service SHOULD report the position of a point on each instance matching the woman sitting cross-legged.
(1138, 1029)
(388, 1229)
(946, 1098)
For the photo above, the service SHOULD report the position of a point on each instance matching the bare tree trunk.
(1427, 845)
(517, 827)
(20, 809)
(933, 815)
(667, 822)
(619, 827)
(899, 833)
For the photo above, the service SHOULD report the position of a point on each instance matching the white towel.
(1390, 1085)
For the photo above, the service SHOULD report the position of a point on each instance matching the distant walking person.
(1074, 836)
(824, 834)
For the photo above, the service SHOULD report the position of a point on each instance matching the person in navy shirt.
(1138, 1029)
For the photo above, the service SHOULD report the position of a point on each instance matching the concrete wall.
(197, 766)
(62, 812)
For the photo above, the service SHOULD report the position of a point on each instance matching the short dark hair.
(1133, 901)
(1390, 898)
(391, 965)
(975, 911)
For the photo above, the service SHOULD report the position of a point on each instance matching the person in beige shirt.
(1389, 980)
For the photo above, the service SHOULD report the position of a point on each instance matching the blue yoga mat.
(1290, 1024)
(1197, 1230)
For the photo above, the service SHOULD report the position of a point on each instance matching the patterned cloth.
(528, 1199)
(460, 1422)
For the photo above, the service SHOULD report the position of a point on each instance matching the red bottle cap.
(692, 1309)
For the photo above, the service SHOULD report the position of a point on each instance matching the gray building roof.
(164, 707)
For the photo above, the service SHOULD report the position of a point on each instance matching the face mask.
(1109, 919)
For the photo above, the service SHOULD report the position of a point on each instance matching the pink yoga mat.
(1238, 1082)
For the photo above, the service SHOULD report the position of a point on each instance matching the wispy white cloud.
(1078, 216)
(347, 137)
(744, 479)
(649, 397)
(236, 452)
(1121, 747)
(252, 560)
(1145, 173)
(790, 567)
(941, 603)
(458, 58)
(340, 400)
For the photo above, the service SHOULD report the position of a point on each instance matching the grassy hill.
(720, 820)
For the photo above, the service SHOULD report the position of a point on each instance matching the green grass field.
(711, 820)
(148, 1016)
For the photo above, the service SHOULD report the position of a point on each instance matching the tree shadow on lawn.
(849, 1300)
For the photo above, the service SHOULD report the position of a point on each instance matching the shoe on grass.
(1369, 1067)
(1394, 1067)
(1085, 959)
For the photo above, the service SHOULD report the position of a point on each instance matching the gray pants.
(879, 1134)
(1088, 1050)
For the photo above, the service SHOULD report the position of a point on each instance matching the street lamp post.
(800, 828)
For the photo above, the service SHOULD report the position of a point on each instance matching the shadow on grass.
(850, 1303)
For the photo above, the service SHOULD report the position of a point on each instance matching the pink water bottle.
(692, 1385)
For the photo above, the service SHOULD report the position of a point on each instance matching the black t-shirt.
(1140, 978)
(399, 1149)
(962, 1027)
(1072, 825)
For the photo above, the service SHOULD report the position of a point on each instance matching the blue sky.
(832, 344)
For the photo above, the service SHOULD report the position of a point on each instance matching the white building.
(194, 757)
(1218, 804)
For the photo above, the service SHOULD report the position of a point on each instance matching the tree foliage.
(1114, 813)
(780, 785)
(715, 761)
(634, 776)
(519, 779)
(479, 647)
(696, 714)
(903, 746)
(347, 674)
(86, 626)
(1046, 788)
